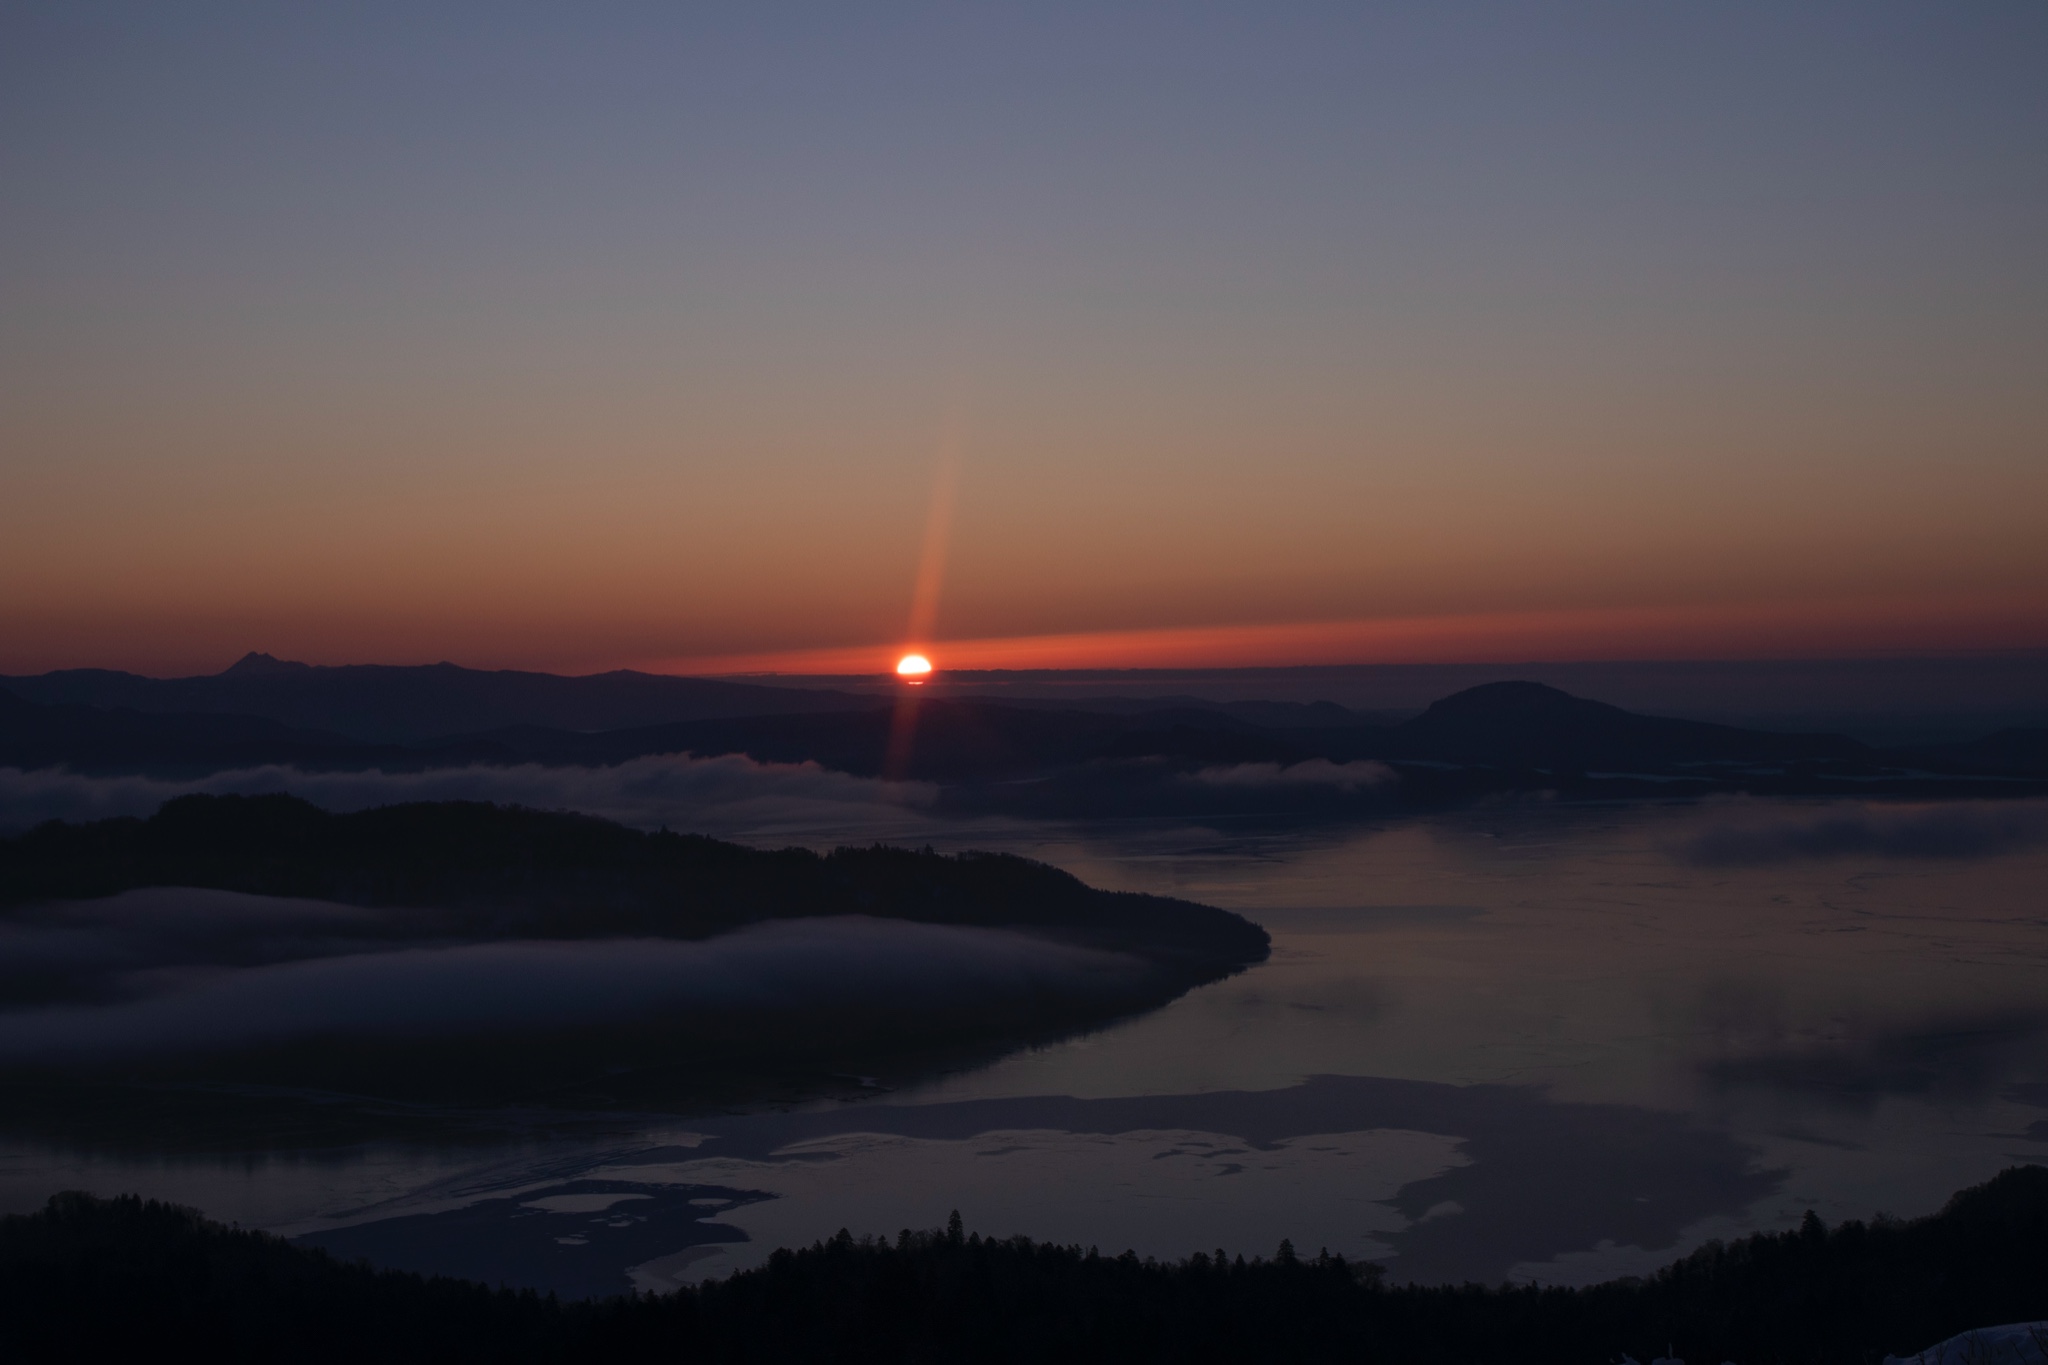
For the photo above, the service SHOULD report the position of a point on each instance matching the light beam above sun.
(913, 668)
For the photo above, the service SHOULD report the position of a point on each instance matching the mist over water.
(1528, 1040)
(168, 994)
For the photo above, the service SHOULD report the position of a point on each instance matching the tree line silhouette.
(88, 1278)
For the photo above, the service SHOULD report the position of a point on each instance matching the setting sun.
(913, 668)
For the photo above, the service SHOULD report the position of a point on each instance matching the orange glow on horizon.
(1806, 629)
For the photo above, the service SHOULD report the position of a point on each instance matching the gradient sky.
(590, 335)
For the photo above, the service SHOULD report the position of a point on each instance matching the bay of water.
(1526, 1042)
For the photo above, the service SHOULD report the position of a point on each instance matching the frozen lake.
(1526, 1042)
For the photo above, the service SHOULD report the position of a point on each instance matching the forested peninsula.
(461, 953)
(469, 866)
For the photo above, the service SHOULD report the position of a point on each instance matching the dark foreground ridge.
(91, 1279)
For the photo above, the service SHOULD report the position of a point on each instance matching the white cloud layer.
(804, 964)
(726, 794)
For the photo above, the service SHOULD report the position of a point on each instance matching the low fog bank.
(170, 971)
(1971, 830)
(68, 949)
(734, 796)
(710, 795)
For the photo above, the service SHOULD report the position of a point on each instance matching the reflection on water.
(1550, 1043)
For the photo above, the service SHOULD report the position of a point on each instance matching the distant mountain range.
(1178, 756)
(1929, 699)
(406, 704)
(386, 703)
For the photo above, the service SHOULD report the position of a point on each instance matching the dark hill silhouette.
(1527, 724)
(383, 703)
(507, 871)
(88, 1278)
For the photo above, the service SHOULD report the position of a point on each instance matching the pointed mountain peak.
(253, 662)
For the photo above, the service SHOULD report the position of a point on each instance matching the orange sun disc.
(913, 666)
